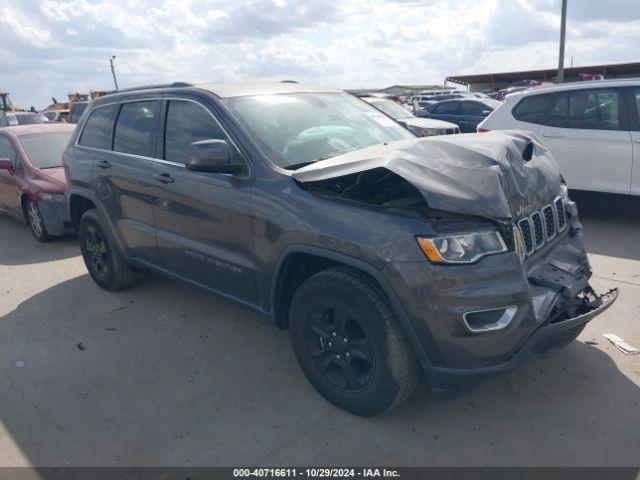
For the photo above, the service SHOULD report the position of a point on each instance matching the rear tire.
(34, 219)
(106, 265)
(349, 345)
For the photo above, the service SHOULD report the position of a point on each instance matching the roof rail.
(153, 87)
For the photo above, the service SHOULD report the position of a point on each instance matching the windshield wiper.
(296, 166)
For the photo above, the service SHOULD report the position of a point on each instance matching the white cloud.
(51, 47)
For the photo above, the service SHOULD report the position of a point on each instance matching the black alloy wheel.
(341, 348)
(105, 263)
(96, 251)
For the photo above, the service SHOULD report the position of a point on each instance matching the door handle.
(103, 164)
(552, 135)
(163, 177)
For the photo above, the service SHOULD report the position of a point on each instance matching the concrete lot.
(164, 374)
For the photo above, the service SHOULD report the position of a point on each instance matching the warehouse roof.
(611, 70)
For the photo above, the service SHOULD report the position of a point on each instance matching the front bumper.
(447, 382)
(55, 216)
(544, 289)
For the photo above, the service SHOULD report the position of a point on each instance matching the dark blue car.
(466, 113)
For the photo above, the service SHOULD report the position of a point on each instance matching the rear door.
(448, 111)
(586, 130)
(471, 115)
(203, 220)
(634, 123)
(9, 195)
(123, 173)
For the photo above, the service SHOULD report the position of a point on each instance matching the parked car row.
(464, 112)
(388, 257)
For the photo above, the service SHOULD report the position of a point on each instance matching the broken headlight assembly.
(462, 248)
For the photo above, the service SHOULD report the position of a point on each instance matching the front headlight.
(466, 248)
(52, 197)
(430, 132)
(425, 132)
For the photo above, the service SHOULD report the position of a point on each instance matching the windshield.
(29, 119)
(391, 108)
(44, 150)
(295, 129)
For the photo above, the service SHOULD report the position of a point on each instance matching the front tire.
(349, 345)
(34, 219)
(106, 265)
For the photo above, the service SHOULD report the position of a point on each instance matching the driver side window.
(187, 122)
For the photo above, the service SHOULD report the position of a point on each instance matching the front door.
(204, 229)
(471, 115)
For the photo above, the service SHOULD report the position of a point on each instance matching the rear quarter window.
(98, 128)
(532, 109)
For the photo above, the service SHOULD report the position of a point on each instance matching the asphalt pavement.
(164, 374)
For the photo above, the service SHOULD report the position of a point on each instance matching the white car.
(591, 128)
(420, 127)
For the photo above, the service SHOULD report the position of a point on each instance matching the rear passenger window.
(134, 128)
(98, 129)
(596, 109)
(187, 122)
(558, 115)
(473, 108)
(447, 108)
(532, 109)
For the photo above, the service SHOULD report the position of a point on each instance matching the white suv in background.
(592, 129)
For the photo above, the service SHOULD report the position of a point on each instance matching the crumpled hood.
(475, 174)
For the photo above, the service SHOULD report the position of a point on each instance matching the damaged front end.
(524, 292)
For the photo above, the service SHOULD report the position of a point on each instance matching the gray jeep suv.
(384, 254)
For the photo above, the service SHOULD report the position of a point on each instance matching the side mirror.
(5, 164)
(486, 113)
(213, 156)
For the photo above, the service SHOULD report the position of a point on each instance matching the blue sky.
(51, 47)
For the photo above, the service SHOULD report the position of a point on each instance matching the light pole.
(563, 27)
(113, 71)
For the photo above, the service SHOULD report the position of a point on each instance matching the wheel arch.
(24, 197)
(79, 202)
(289, 276)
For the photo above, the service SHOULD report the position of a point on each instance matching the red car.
(32, 180)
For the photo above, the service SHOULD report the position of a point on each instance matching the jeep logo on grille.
(524, 211)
